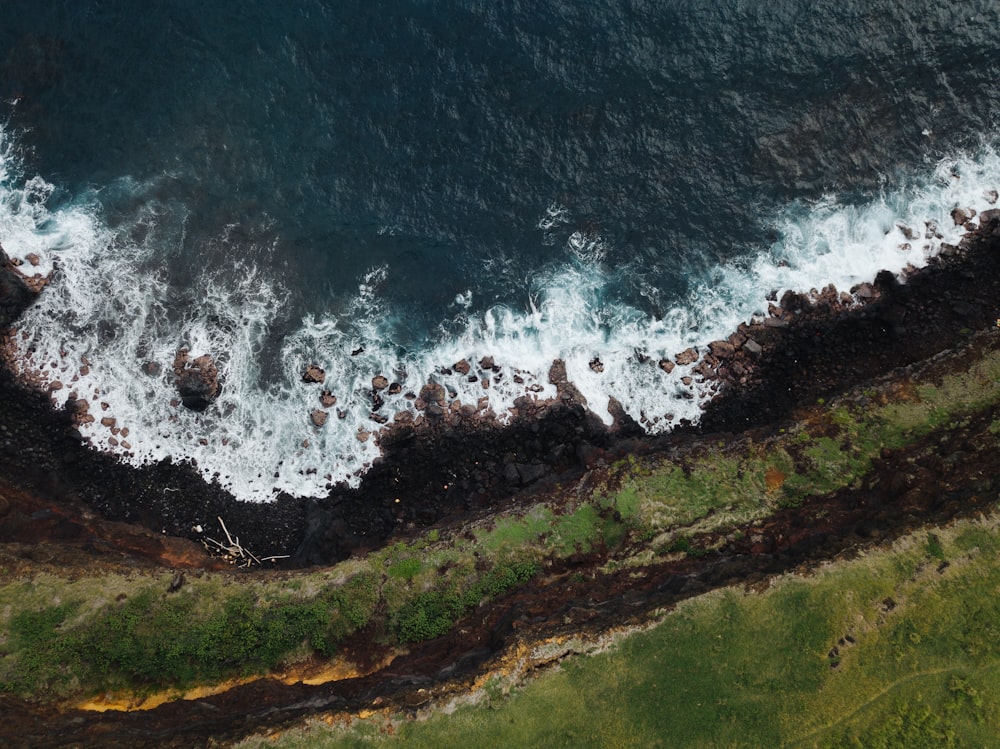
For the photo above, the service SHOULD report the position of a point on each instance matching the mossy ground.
(892, 649)
(63, 640)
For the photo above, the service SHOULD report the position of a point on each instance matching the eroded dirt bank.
(947, 474)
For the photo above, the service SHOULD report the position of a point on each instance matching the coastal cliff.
(853, 427)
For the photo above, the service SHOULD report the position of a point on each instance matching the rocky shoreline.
(448, 471)
(947, 475)
(452, 461)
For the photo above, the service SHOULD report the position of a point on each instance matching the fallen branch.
(234, 552)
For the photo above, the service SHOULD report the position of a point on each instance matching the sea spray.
(109, 325)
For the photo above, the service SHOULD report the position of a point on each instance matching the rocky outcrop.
(197, 380)
(314, 373)
(16, 294)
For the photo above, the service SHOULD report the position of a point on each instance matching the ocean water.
(389, 188)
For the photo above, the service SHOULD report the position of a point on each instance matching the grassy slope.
(736, 669)
(62, 640)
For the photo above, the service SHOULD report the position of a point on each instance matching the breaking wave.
(110, 322)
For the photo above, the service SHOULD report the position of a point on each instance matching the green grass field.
(917, 665)
(724, 670)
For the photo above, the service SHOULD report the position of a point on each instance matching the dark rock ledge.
(812, 346)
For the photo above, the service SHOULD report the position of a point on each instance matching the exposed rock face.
(687, 356)
(432, 393)
(15, 293)
(197, 380)
(314, 373)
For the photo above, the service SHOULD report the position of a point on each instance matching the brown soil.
(97, 512)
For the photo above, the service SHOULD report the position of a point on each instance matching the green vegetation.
(62, 639)
(883, 651)
(831, 450)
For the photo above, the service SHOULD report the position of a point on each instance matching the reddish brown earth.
(95, 510)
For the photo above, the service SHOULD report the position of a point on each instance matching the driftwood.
(234, 552)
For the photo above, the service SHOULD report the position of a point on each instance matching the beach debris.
(234, 552)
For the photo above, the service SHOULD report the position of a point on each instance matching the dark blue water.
(461, 157)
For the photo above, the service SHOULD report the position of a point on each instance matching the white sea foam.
(109, 307)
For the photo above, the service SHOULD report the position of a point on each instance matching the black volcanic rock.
(197, 380)
(15, 294)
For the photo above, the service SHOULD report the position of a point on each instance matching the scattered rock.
(596, 365)
(55, 385)
(16, 294)
(864, 291)
(314, 373)
(794, 302)
(108, 421)
(667, 366)
(961, 215)
(486, 363)
(462, 367)
(395, 388)
(991, 196)
(380, 382)
(197, 381)
(318, 417)
(327, 399)
(432, 392)
(687, 356)
(150, 368)
(989, 219)
(907, 231)
(722, 349)
(32, 258)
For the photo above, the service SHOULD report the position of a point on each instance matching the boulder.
(988, 219)
(486, 363)
(15, 293)
(961, 215)
(687, 356)
(196, 380)
(379, 382)
(794, 302)
(462, 367)
(722, 349)
(314, 373)
(327, 399)
(432, 393)
(667, 366)
(318, 417)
